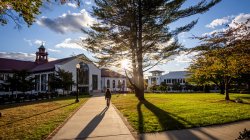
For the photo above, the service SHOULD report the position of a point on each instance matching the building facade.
(113, 80)
(155, 78)
(89, 75)
(170, 79)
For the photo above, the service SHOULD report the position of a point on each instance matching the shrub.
(244, 135)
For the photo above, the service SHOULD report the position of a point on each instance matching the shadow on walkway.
(92, 125)
(168, 121)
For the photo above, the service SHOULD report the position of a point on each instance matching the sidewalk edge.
(64, 122)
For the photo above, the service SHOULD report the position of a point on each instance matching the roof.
(110, 73)
(41, 47)
(50, 65)
(8, 65)
(175, 75)
(158, 71)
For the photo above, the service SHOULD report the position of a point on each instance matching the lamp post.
(77, 72)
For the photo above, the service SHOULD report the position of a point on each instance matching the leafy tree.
(138, 30)
(61, 79)
(201, 73)
(225, 56)
(20, 81)
(23, 10)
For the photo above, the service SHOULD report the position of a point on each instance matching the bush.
(238, 100)
(244, 135)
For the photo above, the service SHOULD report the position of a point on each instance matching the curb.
(130, 128)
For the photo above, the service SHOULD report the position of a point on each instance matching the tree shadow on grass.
(9, 123)
(168, 121)
(90, 127)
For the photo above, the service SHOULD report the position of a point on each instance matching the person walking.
(108, 96)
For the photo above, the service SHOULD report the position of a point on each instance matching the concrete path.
(94, 121)
(218, 132)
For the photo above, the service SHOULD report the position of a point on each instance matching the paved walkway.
(94, 121)
(218, 132)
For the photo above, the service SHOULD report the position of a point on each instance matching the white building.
(170, 79)
(113, 80)
(155, 78)
(89, 77)
(174, 77)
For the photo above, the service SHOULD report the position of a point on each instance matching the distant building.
(174, 77)
(155, 78)
(90, 77)
(113, 80)
(170, 79)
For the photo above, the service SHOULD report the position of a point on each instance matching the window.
(37, 82)
(119, 84)
(108, 84)
(6, 76)
(123, 83)
(153, 80)
(94, 82)
(43, 82)
(50, 80)
(113, 83)
(165, 81)
(1, 76)
(83, 74)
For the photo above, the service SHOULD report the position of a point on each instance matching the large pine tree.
(138, 30)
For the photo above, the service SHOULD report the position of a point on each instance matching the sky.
(59, 29)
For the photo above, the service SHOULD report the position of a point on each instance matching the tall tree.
(138, 30)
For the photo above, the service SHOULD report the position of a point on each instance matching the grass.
(36, 120)
(162, 112)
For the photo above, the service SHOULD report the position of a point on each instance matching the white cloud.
(70, 22)
(18, 56)
(73, 5)
(232, 22)
(88, 2)
(21, 56)
(213, 32)
(185, 57)
(54, 50)
(28, 41)
(219, 22)
(39, 42)
(241, 18)
(36, 42)
(70, 43)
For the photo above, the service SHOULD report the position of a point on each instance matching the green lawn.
(178, 111)
(36, 120)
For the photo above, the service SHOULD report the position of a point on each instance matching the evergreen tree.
(139, 30)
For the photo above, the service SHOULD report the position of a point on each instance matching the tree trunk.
(139, 55)
(222, 88)
(226, 90)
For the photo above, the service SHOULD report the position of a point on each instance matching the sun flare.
(124, 63)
